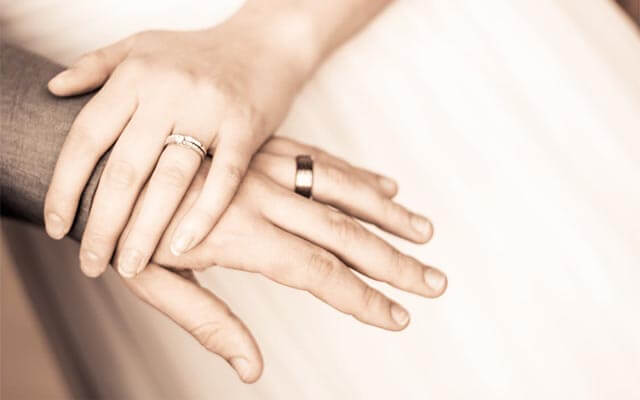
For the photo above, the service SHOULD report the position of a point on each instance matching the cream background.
(514, 124)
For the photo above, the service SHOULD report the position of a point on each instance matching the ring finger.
(288, 147)
(176, 168)
(347, 191)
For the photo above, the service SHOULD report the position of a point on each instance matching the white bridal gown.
(514, 124)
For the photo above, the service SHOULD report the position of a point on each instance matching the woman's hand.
(304, 243)
(229, 87)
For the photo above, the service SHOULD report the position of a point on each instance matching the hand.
(305, 244)
(229, 87)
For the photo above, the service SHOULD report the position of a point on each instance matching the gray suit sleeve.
(33, 127)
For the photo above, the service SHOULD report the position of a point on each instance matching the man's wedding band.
(304, 175)
(187, 141)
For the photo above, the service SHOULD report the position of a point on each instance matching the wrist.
(284, 36)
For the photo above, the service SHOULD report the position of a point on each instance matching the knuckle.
(322, 266)
(401, 267)
(134, 66)
(344, 227)
(206, 85)
(186, 79)
(210, 334)
(337, 176)
(98, 240)
(207, 89)
(225, 90)
(233, 173)
(199, 180)
(191, 80)
(120, 174)
(393, 211)
(174, 176)
(250, 119)
(397, 260)
(81, 139)
(371, 299)
(141, 236)
(389, 209)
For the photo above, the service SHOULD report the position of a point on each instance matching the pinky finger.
(227, 170)
(203, 315)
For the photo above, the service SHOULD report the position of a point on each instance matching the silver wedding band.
(188, 142)
(304, 175)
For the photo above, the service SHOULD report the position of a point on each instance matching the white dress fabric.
(514, 125)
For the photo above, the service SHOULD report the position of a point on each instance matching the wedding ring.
(188, 142)
(304, 175)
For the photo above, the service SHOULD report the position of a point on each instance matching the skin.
(323, 245)
(229, 87)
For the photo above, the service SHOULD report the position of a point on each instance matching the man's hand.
(294, 241)
(305, 244)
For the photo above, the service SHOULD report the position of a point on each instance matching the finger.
(343, 236)
(203, 315)
(90, 71)
(187, 274)
(285, 146)
(347, 191)
(228, 168)
(289, 147)
(94, 130)
(129, 164)
(165, 190)
(292, 261)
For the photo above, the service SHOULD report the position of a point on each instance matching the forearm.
(33, 126)
(307, 31)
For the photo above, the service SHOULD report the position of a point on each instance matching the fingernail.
(399, 315)
(57, 80)
(89, 263)
(130, 262)
(435, 279)
(181, 243)
(241, 365)
(141, 267)
(389, 185)
(55, 226)
(422, 225)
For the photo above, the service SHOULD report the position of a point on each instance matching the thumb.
(90, 71)
(207, 318)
